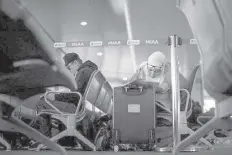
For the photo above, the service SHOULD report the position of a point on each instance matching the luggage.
(134, 114)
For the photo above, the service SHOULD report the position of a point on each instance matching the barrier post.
(174, 42)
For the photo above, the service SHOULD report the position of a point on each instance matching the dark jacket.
(82, 78)
(83, 75)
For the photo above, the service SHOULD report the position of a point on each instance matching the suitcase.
(134, 114)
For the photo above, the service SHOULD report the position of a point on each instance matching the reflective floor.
(219, 150)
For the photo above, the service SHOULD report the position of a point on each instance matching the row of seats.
(99, 93)
(28, 77)
(97, 103)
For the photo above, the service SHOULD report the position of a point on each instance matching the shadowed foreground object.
(211, 25)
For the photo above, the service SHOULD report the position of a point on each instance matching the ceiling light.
(84, 23)
(124, 79)
(99, 53)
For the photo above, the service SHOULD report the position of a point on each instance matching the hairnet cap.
(156, 59)
(70, 57)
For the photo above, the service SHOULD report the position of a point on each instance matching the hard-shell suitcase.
(134, 114)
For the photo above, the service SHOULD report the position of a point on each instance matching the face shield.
(154, 71)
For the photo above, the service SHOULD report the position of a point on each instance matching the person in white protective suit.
(157, 69)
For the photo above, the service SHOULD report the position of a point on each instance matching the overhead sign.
(115, 43)
(150, 42)
(95, 43)
(133, 42)
(77, 44)
(60, 45)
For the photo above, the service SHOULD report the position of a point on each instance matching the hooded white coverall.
(163, 79)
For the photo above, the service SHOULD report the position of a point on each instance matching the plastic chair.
(21, 85)
(98, 103)
(188, 105)
(165, 105)
(104, 98)
(94, 95)
(95, 103)
(67, 116)
(19, 126)
(186, 110)
(104, 102)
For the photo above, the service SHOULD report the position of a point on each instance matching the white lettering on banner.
(152, 42)
(59, 45)
(77, 44)
(193, 41)
(133, 42)
(96, 43)
(114, 43)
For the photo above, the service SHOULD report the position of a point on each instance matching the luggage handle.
(128, 88)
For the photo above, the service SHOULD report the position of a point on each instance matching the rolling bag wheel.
(116, 148)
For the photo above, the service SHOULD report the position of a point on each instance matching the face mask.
(153, 71)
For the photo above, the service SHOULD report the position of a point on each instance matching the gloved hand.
(163, 87)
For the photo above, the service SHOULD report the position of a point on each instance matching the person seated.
(157, 70)
(72, 62)
(81, 71)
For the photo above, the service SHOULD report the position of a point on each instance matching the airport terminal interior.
(115, 77)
